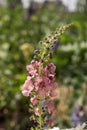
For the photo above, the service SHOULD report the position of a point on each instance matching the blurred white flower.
(79, 127)
(26, 3)
(55, 128)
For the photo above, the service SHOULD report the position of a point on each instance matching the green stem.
(40, 117)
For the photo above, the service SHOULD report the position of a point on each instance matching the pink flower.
(35, 64)
(50, 85)
(46, 80)
(44, 84)
(29, 67)
(36, 111)
(51, 108)
(34, 100)
(50, 69)
(25, 93)
(41, 84)
(53, 86)
(33, 68)
(27, 87)
(38, 82)
(29, 77)
(42, 92)
(32, 73)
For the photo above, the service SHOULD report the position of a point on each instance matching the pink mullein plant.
(40, 84)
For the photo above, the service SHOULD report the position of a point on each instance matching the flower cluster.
(40, 83)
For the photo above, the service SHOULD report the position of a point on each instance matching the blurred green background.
(20, 31)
